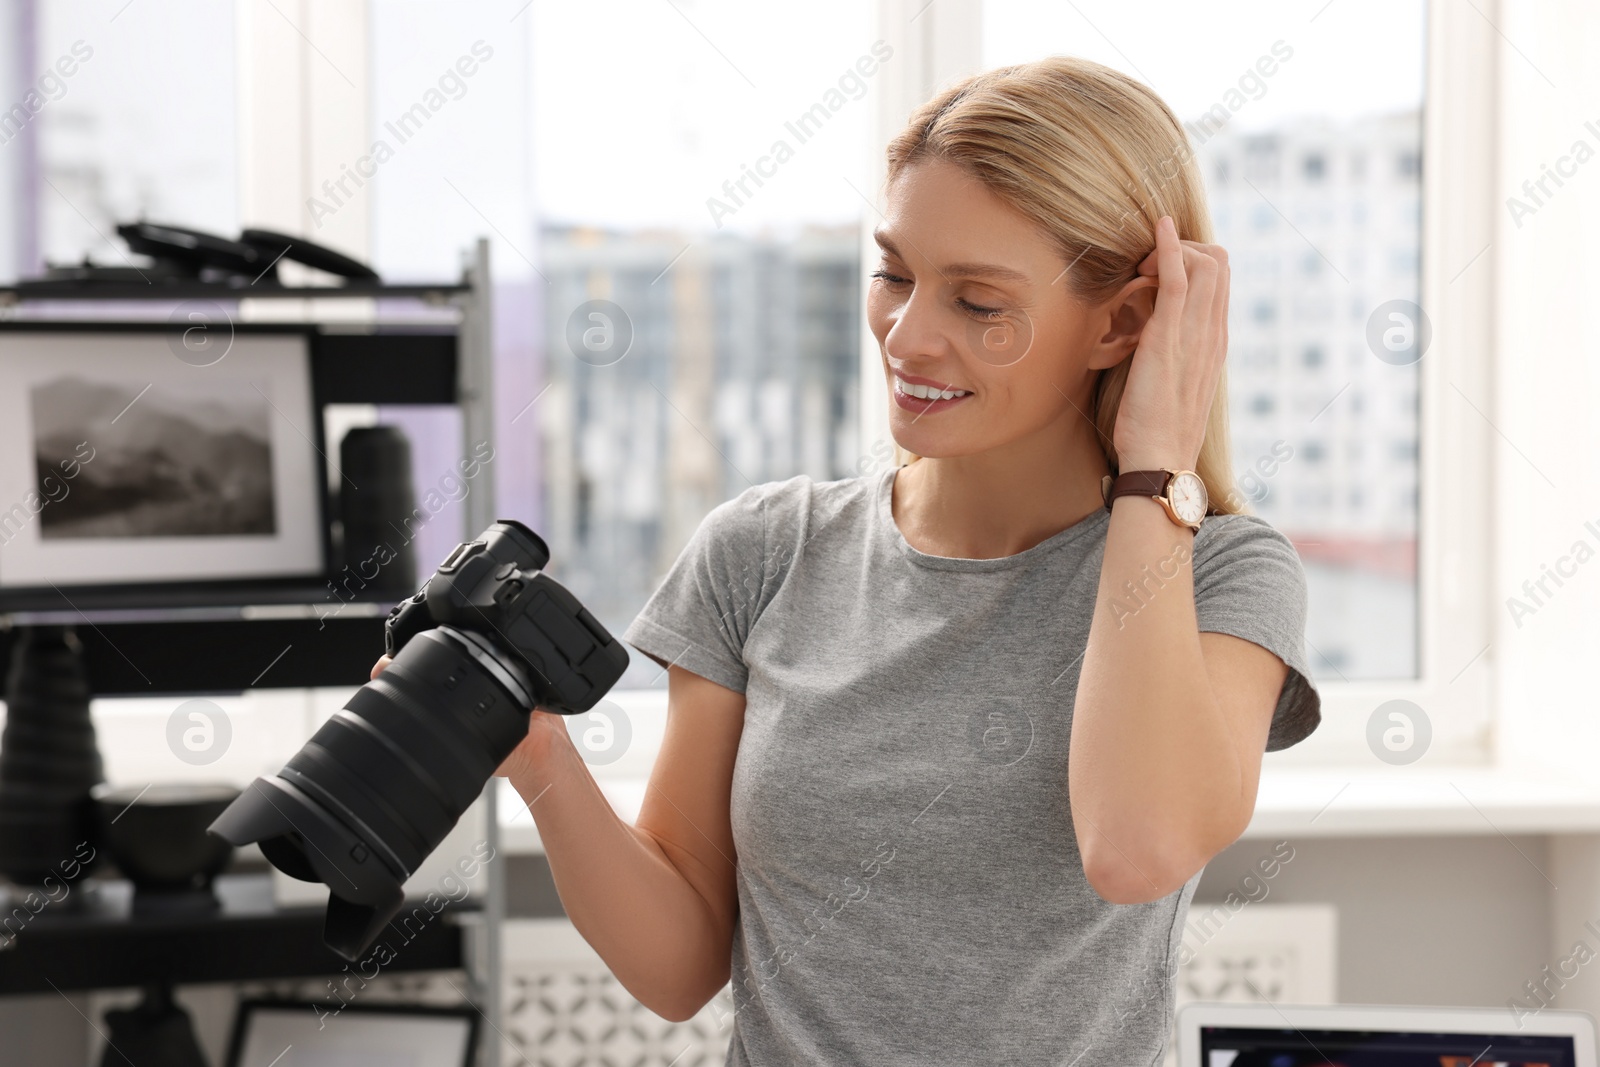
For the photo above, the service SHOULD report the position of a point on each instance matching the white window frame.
(938, 43)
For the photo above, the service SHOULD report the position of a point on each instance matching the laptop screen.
(1237, 1046)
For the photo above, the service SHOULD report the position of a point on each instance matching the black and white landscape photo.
(167, 462)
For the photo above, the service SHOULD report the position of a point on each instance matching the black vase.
(48, 759)
(156, 1032)
(376, 502)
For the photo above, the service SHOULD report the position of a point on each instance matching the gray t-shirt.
(910, 889)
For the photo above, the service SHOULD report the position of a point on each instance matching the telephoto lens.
(489, 637)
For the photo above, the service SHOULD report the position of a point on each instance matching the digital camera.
(488, 638)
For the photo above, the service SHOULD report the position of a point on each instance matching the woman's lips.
(921, 406)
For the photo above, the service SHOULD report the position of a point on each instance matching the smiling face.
(983, 345)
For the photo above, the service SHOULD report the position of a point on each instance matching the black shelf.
(193, 290)
(85, 604)
(149, 658)
(350, 363)
(105, 946)
(159, 645)
(386, 365)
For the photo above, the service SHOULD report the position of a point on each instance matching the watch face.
(1188, 496)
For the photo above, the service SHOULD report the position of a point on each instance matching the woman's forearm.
(1153, 773)
(648, 923)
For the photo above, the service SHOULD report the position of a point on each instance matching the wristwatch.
(1181, 493)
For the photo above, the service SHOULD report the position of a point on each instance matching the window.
(1261, 159)
(1259, 265)
(1288, 143)
(512, 158)
(111, 142)
(1256, 356)
(734, 272)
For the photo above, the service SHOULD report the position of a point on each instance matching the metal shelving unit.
(438, 367)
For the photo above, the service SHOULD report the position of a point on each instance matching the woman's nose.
(916, 330)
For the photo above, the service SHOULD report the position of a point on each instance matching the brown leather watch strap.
(1138, 483)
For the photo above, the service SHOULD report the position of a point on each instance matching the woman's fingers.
(1150, 264)
(377, 668)
(1173, 279)
(1202, 272)
(1191, 300)
(1170, 254)
(1201, 297)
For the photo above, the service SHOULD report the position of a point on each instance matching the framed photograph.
(277, 1033)
(127, 462)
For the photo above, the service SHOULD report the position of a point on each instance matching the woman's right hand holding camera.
(639, 894)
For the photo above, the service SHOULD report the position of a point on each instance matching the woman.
(948, 745)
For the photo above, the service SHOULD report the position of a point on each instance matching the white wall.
(1422, 920)
(1545, 477)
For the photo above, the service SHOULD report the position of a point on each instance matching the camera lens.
(382, 782)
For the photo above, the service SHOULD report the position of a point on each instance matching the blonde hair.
(1095, 158)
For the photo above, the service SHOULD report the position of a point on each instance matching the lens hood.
(364, 891)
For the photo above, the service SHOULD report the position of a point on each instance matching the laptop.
(1347, 1035)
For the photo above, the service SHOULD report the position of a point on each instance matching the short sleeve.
(1249, 582)
(701, 614)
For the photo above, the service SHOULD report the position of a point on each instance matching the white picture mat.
(279, 365)
(352, 1039)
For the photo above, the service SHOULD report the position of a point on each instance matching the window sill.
(1296, 802)
(1301, 802)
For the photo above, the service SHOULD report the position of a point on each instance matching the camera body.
(494, 588)
(488, 638)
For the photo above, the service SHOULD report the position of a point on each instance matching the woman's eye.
(978, 310)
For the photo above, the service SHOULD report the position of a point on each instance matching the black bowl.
(157, 834)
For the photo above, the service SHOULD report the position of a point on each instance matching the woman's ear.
(1124, 316)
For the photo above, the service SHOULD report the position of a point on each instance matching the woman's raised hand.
(1172, 380)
